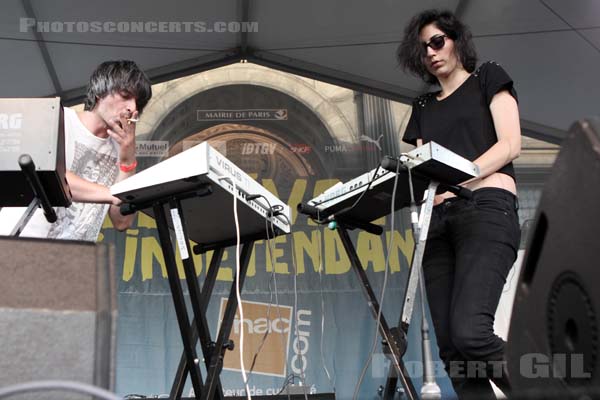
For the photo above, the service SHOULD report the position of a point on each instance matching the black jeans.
(471, 246)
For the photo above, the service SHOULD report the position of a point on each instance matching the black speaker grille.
(572, 330)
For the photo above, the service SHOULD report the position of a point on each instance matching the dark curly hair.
(120, 76)
(411, 52)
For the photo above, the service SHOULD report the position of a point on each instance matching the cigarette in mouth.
(132, 120)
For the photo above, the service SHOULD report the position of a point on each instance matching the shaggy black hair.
(122, 77)
(411, 52)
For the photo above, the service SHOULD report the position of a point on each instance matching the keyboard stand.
(394, 339)
(415, 277)
(395, 348)
(213, 352)
(194, 185)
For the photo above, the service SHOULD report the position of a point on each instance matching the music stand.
(32, 165)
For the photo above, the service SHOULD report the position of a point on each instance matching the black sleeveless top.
(462, 122)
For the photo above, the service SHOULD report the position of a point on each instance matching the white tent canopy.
(550, 47)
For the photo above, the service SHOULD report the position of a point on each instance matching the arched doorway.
(300, 141)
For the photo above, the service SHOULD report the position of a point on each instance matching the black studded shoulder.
(485, 66)
(422, 100)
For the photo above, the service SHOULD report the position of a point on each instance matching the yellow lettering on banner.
(270, 186)
(150, 251)
(307, 246)
(302, 245)
(280, 267)
(145, 221)
(226, 273)
(320, 186)
(336, 259)
(131, 243)
(379, 221)
(370, 251)
(197, 259)
(296, 196)
(208, 255)
(252, 262)
(107, 223)
(179, 263)
(405, 244)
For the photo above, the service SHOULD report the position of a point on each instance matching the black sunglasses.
(436, 42)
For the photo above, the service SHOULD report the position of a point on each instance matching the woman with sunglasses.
(472, 244)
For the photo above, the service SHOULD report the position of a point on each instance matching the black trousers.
(471, 246)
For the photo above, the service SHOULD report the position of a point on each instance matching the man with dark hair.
(100, 150)
(118, 76)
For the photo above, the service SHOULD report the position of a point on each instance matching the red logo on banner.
(300, 148)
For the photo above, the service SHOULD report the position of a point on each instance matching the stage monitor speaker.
(57, 313)
(552, 349)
